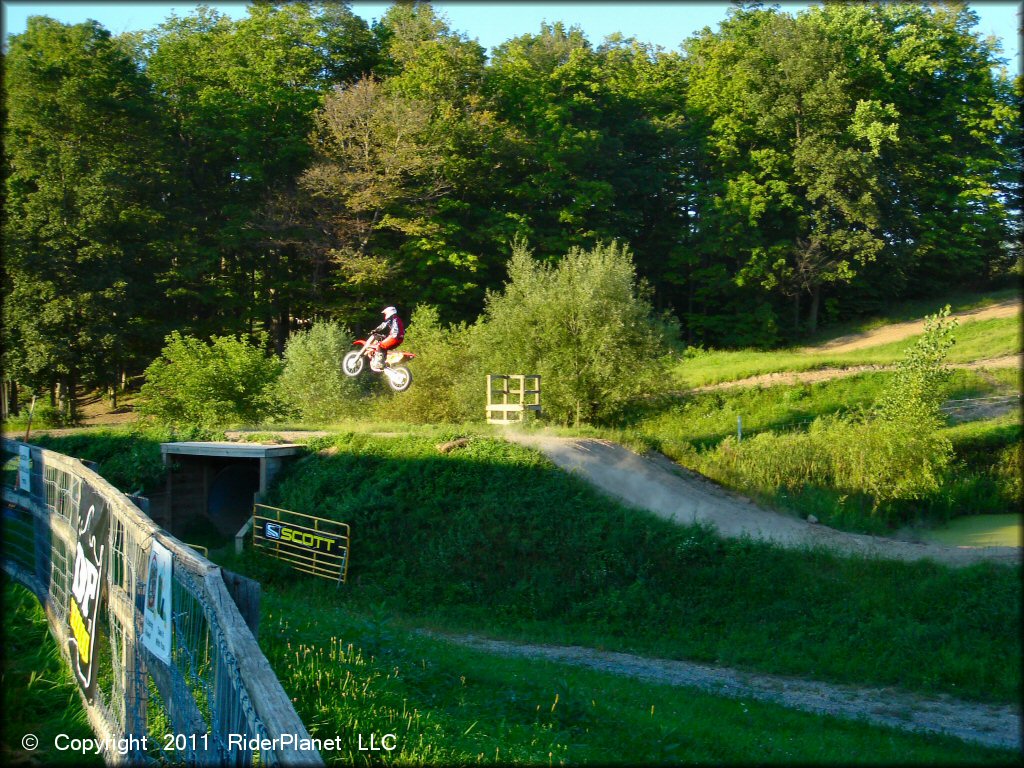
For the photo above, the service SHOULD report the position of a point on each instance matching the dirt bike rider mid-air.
(391, 332)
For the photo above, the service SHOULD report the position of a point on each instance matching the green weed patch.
(984, 476)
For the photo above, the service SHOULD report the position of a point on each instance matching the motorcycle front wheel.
(352, 363)
(399, 378)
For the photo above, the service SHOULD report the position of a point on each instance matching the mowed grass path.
(975, 340)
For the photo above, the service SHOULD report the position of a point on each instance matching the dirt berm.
(655, 483)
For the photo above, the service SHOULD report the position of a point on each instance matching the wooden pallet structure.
(509, 403)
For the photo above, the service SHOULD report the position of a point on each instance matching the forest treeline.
(216, 176)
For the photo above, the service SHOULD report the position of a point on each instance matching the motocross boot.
(379, 360)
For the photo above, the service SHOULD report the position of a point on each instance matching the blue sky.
(662, 23)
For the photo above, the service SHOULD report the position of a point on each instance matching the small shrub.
(916, 389)
(311, 383)
(585, 325)
(45, 416)
(851, 455)
(226, 381)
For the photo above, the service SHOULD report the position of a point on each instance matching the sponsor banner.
(303, 538)
(313, 545)
(86, 587)
(156, 625)
(25, 468)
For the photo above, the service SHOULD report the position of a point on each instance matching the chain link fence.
(217, 702)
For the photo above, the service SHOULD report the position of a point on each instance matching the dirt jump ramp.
(655, 483)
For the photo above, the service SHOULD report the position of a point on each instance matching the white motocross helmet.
(388, 312)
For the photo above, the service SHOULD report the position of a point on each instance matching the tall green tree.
(241, 96)
(795, 153)
(376, 170)
(855, 153)
(449, 261)
(595, 146)
(950, 175)
(84, 219)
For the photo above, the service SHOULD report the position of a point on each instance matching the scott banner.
(84, 611)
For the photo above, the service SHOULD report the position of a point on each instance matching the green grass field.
(353, 670)
(471, 541)
(977, 340)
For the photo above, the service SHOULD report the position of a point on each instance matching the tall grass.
(40, 693)
(787, 461)
(354, 672)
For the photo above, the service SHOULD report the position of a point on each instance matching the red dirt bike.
(398, 376)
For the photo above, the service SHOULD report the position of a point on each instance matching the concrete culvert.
(231, 496)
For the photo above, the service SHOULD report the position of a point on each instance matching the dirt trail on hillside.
(989, 724)
(898, 331)
(827, 374)
(655, 483)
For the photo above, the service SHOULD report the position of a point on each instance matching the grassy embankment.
(354, 672)
(984, 477)
(623, 565)
(471, 542)
(40, 694)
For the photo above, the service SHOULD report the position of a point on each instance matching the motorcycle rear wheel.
(399, 378)
(352, 363)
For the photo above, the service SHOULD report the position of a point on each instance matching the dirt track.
(884, 335)
(991, 725)
(655, 483)
(826, 374)
(897, 331)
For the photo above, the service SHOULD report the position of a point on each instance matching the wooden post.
(31, 410)
(246, 594)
